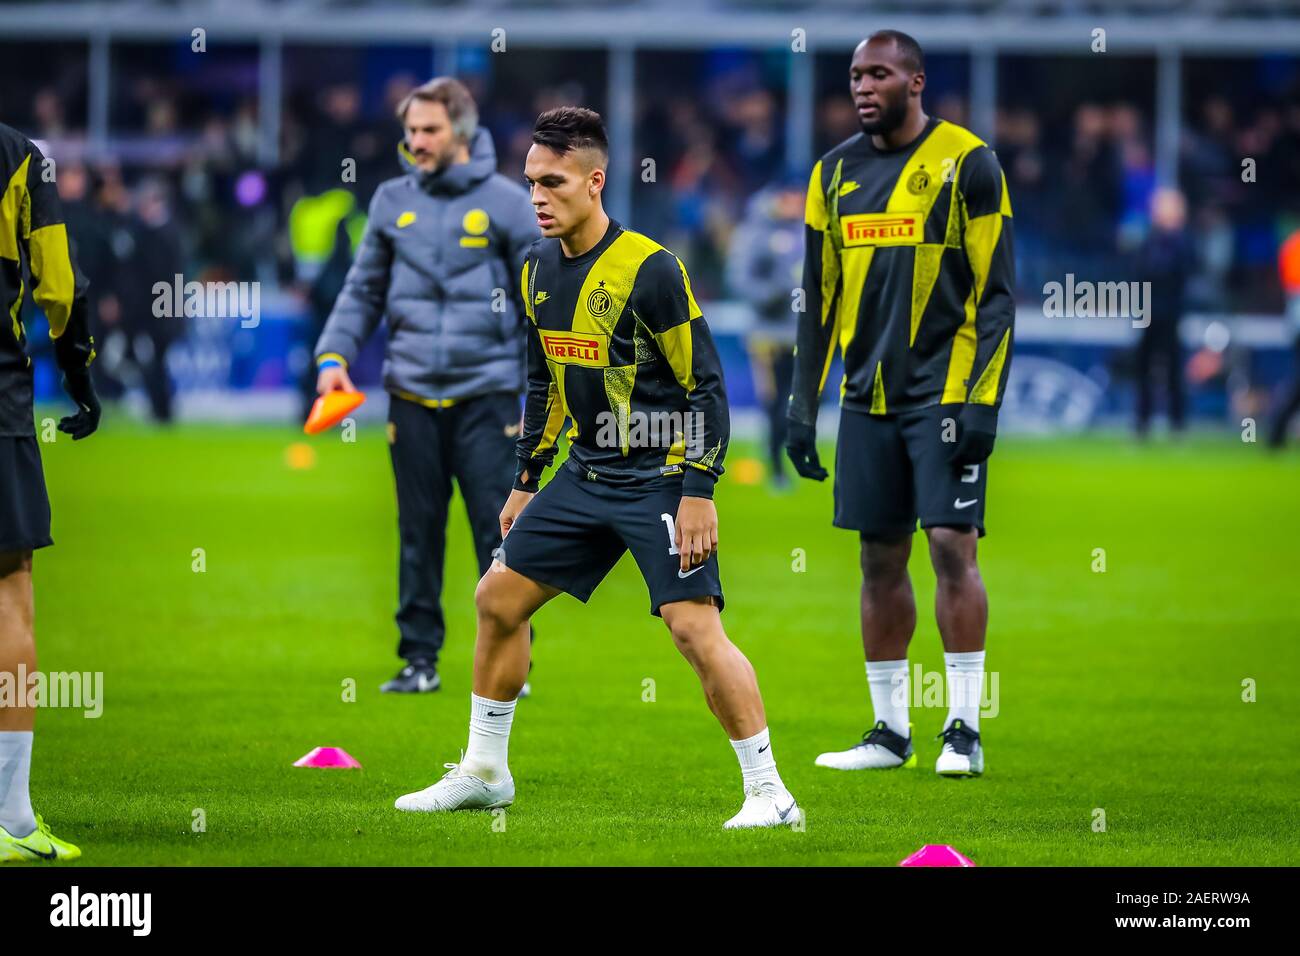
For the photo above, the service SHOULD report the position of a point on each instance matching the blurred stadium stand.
(711, 91)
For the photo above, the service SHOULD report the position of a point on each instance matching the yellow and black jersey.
(618, 345)
(909, 271)
(34, 244)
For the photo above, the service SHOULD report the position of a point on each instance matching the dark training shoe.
(417, 677)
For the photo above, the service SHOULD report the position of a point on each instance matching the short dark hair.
(913, 57)
(567, 128)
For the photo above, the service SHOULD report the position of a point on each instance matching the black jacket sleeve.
(544, 411)
(819, 321)
(987, 238)
(667, 308)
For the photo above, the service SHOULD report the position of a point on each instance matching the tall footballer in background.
(909, 271)
(33, 243)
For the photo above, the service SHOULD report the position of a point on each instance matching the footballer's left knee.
(952, 553)
(695, 625)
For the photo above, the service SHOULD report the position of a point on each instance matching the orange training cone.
(330, 409)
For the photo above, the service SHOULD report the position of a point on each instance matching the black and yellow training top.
(909, 270)
(34, 243)
(618, 345)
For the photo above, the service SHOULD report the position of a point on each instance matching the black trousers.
(472, 442)
(1159, 354)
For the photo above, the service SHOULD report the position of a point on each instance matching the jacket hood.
(457, 178)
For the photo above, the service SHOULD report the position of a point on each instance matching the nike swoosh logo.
(491, 713)
(690, 572)
(786, 812)
(53, 854)
(764, 747)
(958, 503)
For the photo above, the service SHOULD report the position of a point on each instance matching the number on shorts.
(667, 519)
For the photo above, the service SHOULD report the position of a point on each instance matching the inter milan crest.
(599, 302)
(918, 182)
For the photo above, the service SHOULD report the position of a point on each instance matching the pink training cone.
(936, 854)
(328, 757)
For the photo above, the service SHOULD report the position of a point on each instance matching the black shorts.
(24, 504)
(891, 470)
(574, 531)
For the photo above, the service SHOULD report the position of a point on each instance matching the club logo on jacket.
(576, 348)
(882, 229)
(475, 223)
(405, 219)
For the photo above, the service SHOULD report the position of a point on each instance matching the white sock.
(965, 687)
(757, 764)
(489, 738)
(889, 692)
(15, 771)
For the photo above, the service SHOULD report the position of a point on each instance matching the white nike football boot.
(962, 754)
(880, 749)
(766, 806)
(459, 790)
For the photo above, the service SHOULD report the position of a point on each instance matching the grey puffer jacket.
(440, 260)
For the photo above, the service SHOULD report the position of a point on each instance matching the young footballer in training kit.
(616, 340)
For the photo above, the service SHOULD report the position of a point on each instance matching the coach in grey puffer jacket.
(440, 261)
(440, 250)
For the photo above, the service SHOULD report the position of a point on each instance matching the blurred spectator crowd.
(185, 188)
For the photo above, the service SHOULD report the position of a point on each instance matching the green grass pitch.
(1119, 691)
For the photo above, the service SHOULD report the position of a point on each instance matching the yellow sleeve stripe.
(962, 358)
(555, 414)
(523, 287)
(52, 266)
(985, 391)
(830, 353)
(693, 308)
(815, 205)
(332, 357)
(982, 234)
(678, 348)
(16, 308)
(15, 212)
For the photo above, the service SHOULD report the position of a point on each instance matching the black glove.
(977, 426)
(80, 390)
(801, 446)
